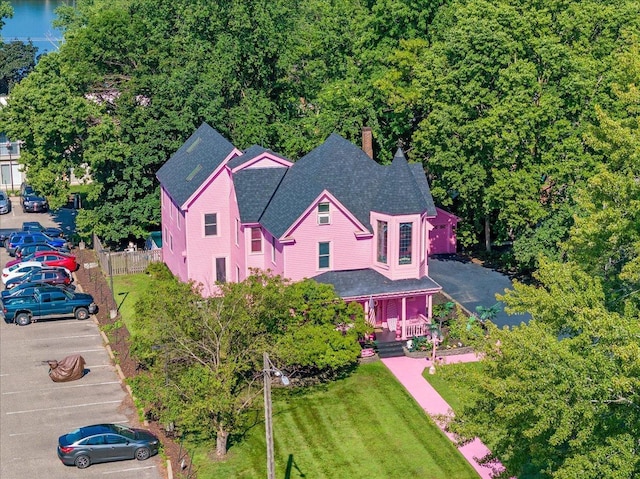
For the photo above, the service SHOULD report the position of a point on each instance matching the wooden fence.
(124, 262)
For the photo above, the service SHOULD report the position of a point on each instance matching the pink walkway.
(409, 373)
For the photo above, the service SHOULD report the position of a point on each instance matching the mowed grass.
(364, 426)
(127, 289)
(454, 383)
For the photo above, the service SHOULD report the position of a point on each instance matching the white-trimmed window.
(221, 270)
(211, 224)
(237, 274)
(256, 240)
(170, 242)
(324, 214)
(178, 215)
(237, 231)
(383, 229)
(324, 255)
(404, 243)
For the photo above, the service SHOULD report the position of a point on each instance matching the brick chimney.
(367, 141)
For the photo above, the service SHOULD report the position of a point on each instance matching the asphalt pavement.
(472, 285)
(34, 411)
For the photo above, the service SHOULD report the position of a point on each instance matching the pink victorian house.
(335, 216)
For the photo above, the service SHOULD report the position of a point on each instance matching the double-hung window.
(382, 241)
(324, 217)
(211, 224)
(256, 240)
(324, 255)
(404, 256)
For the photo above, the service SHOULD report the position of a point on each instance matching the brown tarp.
(67, 369)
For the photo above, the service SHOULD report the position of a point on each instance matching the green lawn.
(364, 426)
(127, 289)
(453, 382)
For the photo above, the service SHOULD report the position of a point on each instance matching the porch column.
(366, 311)
(429, 306)
(404, 318)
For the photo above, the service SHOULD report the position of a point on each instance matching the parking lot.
(34, 411)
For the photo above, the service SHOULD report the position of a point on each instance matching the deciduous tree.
(204, 355)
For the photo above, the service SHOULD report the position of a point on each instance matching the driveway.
(472, 285)
(34, 411)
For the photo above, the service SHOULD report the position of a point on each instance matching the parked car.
(19, 269)
(104, 443)
(28, 288)
(28, 249)
(35, 226)
(23, 237)
(5, 203)
(51, 276)
(49, 258)
(26, 189)
(47, 302)
(33, 203)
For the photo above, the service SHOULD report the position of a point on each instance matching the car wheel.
(23, 319)
(82, 462)
(82, 314)
(142, 454)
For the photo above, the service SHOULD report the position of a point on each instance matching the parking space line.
(64, 407)
(63, 337)
(130, 469)
(62, 387)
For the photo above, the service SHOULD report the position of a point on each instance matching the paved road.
(34, 411)
(473, 285)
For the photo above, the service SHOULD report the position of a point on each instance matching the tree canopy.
(495, 99)
(204, 356)
(561, 395)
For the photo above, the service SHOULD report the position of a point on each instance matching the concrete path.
(409, 373)
(471, 285)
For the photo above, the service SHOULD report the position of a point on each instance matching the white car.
(19, 269)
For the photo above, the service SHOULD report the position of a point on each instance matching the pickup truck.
(48, 302)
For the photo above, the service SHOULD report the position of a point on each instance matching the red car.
(55, 258)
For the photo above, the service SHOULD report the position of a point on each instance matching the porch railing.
(419, 327)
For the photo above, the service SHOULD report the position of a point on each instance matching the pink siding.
(346, 251)
(203, 250)
(442, 239)
(392, 269)
(173, 239)
(266, 160)
(265, 259)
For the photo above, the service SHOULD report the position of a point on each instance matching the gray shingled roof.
(249, 154)
(368, 282)
(338, 166)
(403, 192)
(354, 179)
(193, 163)
(254, 188)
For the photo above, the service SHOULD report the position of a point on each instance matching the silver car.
(5, 203)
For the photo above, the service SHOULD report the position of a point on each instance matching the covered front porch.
(402, 309)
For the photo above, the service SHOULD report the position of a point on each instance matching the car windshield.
(124, 431)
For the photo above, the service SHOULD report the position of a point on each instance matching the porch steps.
(390, 349)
